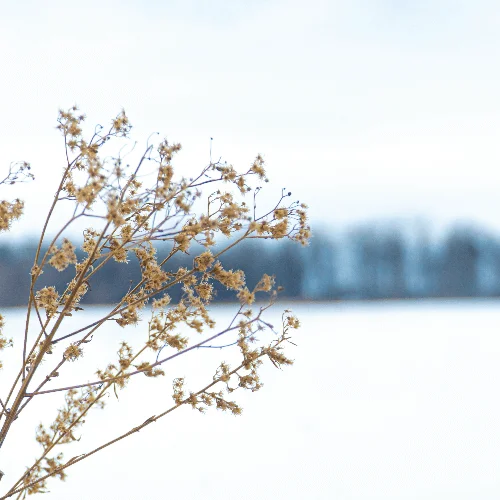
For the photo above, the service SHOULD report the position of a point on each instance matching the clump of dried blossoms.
(128, 216)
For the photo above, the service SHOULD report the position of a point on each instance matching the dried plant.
(129, 216)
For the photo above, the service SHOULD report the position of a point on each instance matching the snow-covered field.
(394, 400)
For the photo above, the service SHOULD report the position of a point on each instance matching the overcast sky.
(363, 109)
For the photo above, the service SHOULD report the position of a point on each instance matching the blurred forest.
(376, 261)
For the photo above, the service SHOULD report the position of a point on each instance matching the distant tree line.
(365, 262)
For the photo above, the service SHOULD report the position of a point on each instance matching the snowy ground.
(394, 400)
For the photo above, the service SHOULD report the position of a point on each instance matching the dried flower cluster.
(4, 342)
(11, 211)
(128, 217)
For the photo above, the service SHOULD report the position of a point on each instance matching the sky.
(365, 110)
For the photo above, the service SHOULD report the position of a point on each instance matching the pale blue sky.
(363, 109)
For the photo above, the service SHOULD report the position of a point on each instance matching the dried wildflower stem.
(134, 218)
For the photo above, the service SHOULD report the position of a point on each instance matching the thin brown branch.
(139, 427)
(152, 365)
